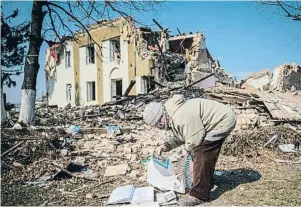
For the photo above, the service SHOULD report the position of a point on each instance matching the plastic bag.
(161, 175)
(73, 129)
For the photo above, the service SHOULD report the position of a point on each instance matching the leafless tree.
(59, 18)
(289, 9)
(13, 48)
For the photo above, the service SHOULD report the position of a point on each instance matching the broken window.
(115, 54)
(116, 88)
(68, 92)
(67, 59)
(148, 84)
(90, 54)
(91, 91)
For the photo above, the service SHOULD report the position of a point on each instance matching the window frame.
(68, 86)
(67, 57)
(91, 91)
(90, 56)
(113, 48)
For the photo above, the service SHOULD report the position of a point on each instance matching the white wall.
(113, 70)
(261, 83)
(57, 84)
(87, 73)
(141, 86)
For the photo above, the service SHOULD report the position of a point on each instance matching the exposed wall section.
(112, 70)
(131, 66)
(76, 73)
(99, 35)
(63, 75)
(88, 74)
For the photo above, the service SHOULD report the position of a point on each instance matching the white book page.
(122, 194)
(143, 195)
(166, 197)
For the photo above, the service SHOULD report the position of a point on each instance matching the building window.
(67, 59)
(116, 89)
(115, 50)
(68, 92)
(90, 54)
(91, 91)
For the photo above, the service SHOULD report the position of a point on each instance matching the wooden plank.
(132, 83)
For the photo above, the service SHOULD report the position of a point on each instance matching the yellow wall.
(76, 73)
(143, 66)
(131, 66)
(98, 36)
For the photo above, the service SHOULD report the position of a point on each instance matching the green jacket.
(197, 119)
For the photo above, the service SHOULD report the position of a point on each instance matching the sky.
(245, 37)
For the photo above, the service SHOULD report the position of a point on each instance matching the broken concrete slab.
(117, 170)
(134, 174)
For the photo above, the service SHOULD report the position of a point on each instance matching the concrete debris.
(116, 170)
(17, 126)
(287, 148)
(89, 196)
(259, 81)
(283, 78)
(97, 139)
(134, 174)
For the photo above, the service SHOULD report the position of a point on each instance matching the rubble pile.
(251, 142)
(91, 159)
(286, 77)
(76, 163)
(250, 112)
(260, 116)
(257, 109)
(126, 108)
(289, 78)
(175, 66)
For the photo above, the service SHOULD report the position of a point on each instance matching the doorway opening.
(116, 88)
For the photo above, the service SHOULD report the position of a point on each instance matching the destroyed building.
(123, 59)
(286, 77)
(98, 141)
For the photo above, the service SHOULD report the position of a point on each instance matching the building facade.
(87, 72)
(122, 59)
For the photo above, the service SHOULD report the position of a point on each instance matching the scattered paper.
(130, 194)
(287, 148)
(167, 198)
(143, 195)
(113, 130)
(121, 195)
(161, 175)
(156, 204)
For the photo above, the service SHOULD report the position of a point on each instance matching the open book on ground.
(167, 198)
(130, 194)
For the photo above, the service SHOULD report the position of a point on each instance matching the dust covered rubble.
(127, 151)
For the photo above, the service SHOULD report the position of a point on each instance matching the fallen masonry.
(92, 162)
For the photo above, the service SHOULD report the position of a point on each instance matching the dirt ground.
(240, 181)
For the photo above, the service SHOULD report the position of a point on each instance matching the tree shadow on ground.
(227, 180)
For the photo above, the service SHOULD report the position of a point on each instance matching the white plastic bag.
(162, 175)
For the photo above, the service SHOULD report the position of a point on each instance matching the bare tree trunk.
(28, 92)
(3, 111)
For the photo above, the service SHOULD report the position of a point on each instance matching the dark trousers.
(204, 160)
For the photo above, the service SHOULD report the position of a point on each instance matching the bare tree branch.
(287, 8)
(74, 18)
(52, 22)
